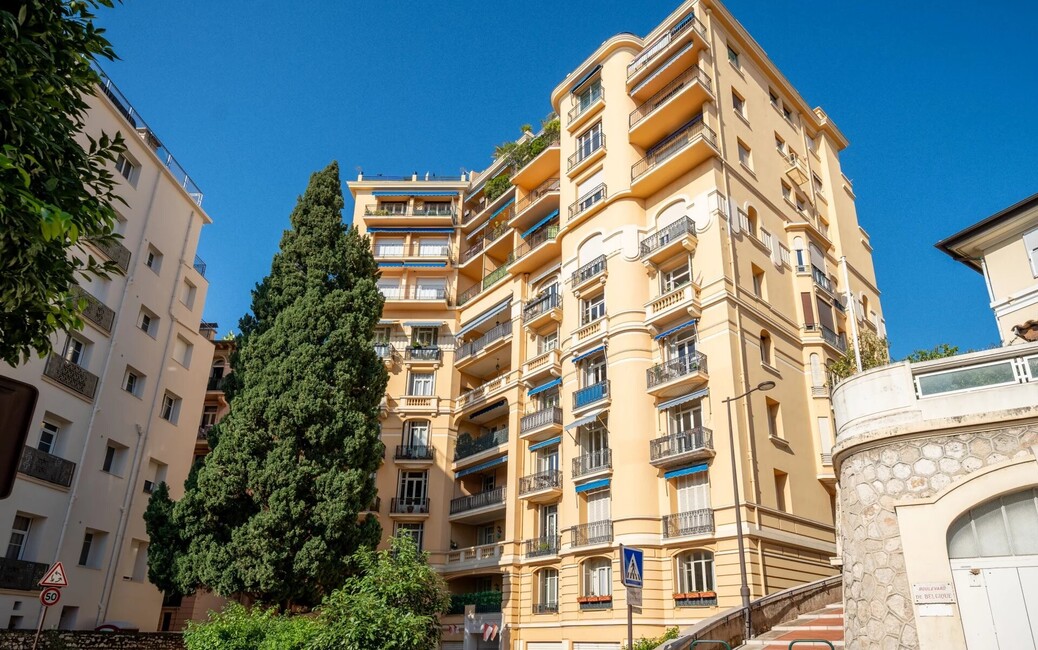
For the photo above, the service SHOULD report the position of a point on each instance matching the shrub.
(241, 628)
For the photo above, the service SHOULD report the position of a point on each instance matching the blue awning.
(485, 316)
(593, 485)
(390, 265)
(414, 193)
(482, 466)
(678, 401)
(499, 210)
(676, 329)
(424, 323)
(403, 230)
(586, 78)
(547, 443)
(496, 405)
(543, 387)
(425, 265)
(587, 419)
(541, 223)
(588, 353)
(387, 322)
(685, 471)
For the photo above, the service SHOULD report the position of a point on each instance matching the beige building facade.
(119, 401)
(562, 330)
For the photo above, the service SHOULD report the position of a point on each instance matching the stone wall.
(88, 640)
(879, 613)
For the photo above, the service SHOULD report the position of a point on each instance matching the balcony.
(467, 446)
(836, 341)
(481, 393)
(597, 532)
(418, 355)
(385, 351)
(593, 464)
(199, 266)
(489, 280)
(94, 311)
(419, 404)
(586, 153)
(541, 425)
(593, 270)
(589, 202)
(681, 448)
(542, 165)
(541, 487)
(545, 364)
(670, 107)
(203, 432)
(71, 376)
(474, 249)
(486, 602)
(589, 333)
(114, 251)
(414, 454)
(659, 61)
(678, 302)
(535, 251)
(436, 297)
(544, 546)
(678, 237)
(677, 155)
(409, 506)
(46, 467)
(478, 508)
(821, 280)
(488, 342)
(545, 608)
(796, 169)
(674, 376)
(590, 395)
(582, 111)
(536, 205)
(475, 557)
(683, 524)
(542, 309)
(377, 216)
(21, 575)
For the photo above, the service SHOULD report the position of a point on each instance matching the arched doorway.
(993, 549)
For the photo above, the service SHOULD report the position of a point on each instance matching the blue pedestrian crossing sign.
(632, 561)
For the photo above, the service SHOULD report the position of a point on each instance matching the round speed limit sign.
(50, 596)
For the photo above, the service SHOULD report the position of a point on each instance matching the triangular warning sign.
(633, 576)
(55, 577)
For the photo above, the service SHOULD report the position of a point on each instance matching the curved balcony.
(541, 425)
(684, 524)
(681, 448)
(541, 487)
(586, 153)
(478, 508)
(589, 202)
(676, 375)
(588, 273)
(670, 159)
(670, 107)
(660, 60)
(596, 532)
(593, 464)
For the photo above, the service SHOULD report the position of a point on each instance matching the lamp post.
(744, 587)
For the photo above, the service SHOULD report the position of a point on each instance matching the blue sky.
(939, 101)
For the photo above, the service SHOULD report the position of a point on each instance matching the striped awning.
(553, 215)
(587, 419)
(543, 387)
(447, 231)
(586, 78)
(587, 354)
(485, 316)
(593, 485)
(501, 209)
(678, 328)
(424, 323)
(482, 466)
(412, 265)
(487, 409)
(413, 193)
(685, 471)
(547, 443)
(684, 399)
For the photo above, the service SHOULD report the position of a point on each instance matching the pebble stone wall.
(877, 596)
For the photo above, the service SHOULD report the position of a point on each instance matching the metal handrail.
(538, 419)
(72, 376)
(590, 394)
(480, 500)
(469, 446)
(596, 195)
(475, 347)
(592, 462)
(578, 110)
(95, 311)
(540, 305)
(589, 270)
(582, 153)
(427, 293)
(693, 522)
(429, 353)
(671, 145)
(596, 532)
(408, 505)
(414, 452)
(680, 228)
(686, 364)
(542, 546)
(695, 439)
(47, 467)
(199, 265)
(694, 73)
(654, 49)
(541, 236)
(534, 195)
(545, 480)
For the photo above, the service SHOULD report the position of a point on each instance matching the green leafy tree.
(875, 351)
(647, 643)
(393, 603)
(276, 505)
(939, 351)
(159, 523)
(240, 628)
(54, 192)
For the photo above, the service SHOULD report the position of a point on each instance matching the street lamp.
(744, 587)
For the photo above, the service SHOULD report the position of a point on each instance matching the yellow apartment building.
(119, 401)
(563, 329)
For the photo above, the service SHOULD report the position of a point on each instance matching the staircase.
(825, 624)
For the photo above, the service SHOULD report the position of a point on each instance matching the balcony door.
(681, 344)
(594, 439)
(389, 247)
(432, 247)
(550, 520)
(548, 460)
(430, 289)
(413, 487)
(595, 370)
(599, 506)
(417, 434)
(686, 417)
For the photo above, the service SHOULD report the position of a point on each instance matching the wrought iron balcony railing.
(534, 195)
(541, 418)
(46, 467)
(671, 146)
(95, 311)
(546, 480)
(408, 505)
(588, 271)
(589, 200)
(651, 51)
(546, 608)
(686, 364)
(71, 376)
(431, 353)
(585, 150)
(475, 501)
(694, 522)
(541, 304)
(660, 238)
(541, 236)
(414, 452)
(693, 75)
(596, 532)
(542, 546)
(468, 446)
(677, 444)
(496, 333)
(595, 461)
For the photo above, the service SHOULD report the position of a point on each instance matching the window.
(589, 95)
(75, 351)
(817, 184)
(780, 145)
(787, 193)
(432, 248)
(549, 521)
(489, 482)
(751, 221)
(389, 247)
(208, 415)
(787, 113)
(153, 260)
(589, 141)
(773, 98)
(693, 492)
(133, 382)
(733, 57)
(390, 288)
(188, 291)
(92, 550)
(675, 278)
(685, 418)
(416, 433)
(425, 336)
(592, 309)
(681, 344)
(695, 571)
(595, 370)
(598, 577)
(744, 155)
(139, 551)
(182, 351)
(485, 535)
(548, 590)
(126, 168)
(758, 280)
(392, 207)
(420, 384)
(14, 623)
(547, 400)
(437, 208)
(812, 144)
(19, 537)
(67, 620)
(817, 374)
(774, 418)
(1031, 244)
(48, 437)
(781, 491)
(547, 459)
(739, 104)
(765, 348)
(599, 506)
(148, 322)
(115, 458)
(548, 342)
(382, 335)
(767, 240)
(170, 410)
(800, 204)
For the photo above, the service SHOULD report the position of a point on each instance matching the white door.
(598, 506)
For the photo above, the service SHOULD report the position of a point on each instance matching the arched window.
(765, 348)
(670, 214)
(864, 307)
(751, 220)
(216, 372)
(798, 251)
(591, 248)
(416, 435)
(598, 577)
(547, 601)
(695, 572)
(1004, 526)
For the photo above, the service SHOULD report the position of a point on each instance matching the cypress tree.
(273, 515)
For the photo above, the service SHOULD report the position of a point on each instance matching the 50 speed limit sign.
(50, 596)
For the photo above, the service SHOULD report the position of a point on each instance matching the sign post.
(632, 572)
(52, 583)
